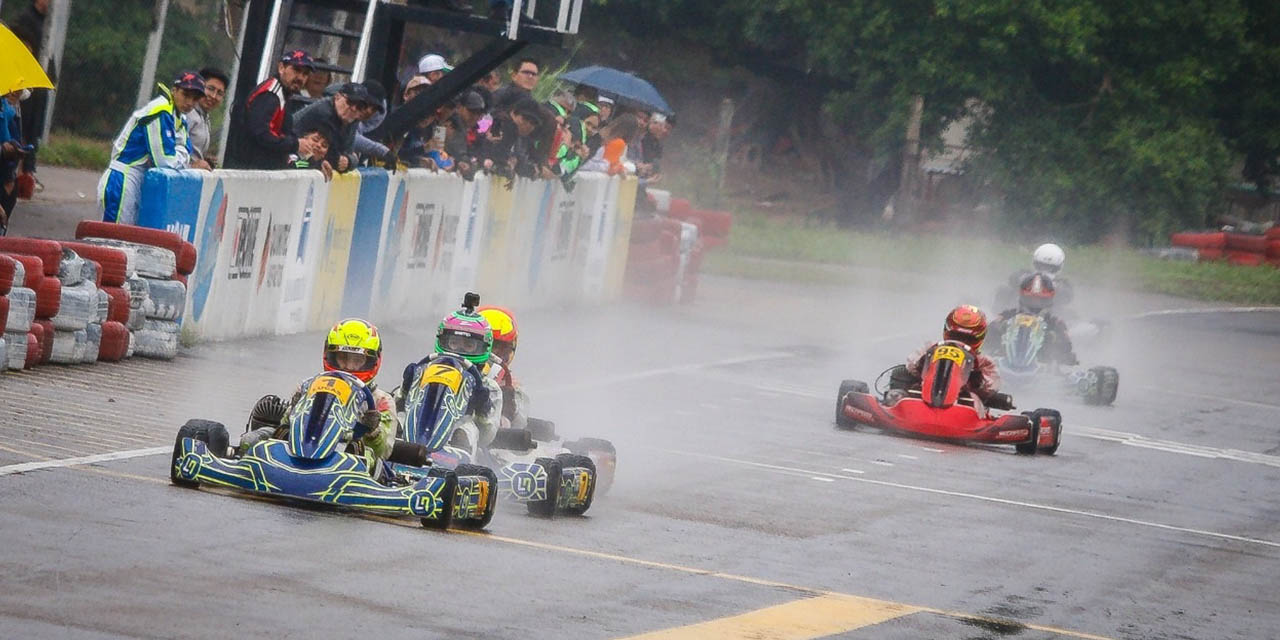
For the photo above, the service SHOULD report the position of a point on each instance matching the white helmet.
(1048, 258)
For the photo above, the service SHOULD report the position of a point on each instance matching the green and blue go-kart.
(437, 394)
(320, 462)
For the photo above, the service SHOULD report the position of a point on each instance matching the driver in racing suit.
(515, 403)
(353, 346)
(966, 324)
(1036, 296)
(467, 335)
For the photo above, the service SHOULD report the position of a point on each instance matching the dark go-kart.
(435, 397)
(941, 409)
(321, 461)
(1025, 361)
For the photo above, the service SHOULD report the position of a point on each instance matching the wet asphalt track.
(735, 493)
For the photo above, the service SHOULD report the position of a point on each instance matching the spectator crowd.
(296, 119)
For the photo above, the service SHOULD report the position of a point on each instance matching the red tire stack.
(653, 260)
(1236, 248)
(158, 335)
(47, 288)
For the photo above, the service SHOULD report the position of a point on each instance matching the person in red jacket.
(260, 137)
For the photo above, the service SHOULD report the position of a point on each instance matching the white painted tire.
(93, 334)
(78, 307)
(22, 310)
(71, 269)
(16, 357)
(149, 261)
(168, 299)
(69, 346)
(158, 344)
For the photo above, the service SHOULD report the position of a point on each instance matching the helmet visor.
(462, 343)
(351, 359)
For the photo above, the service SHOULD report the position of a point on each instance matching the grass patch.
(69, 150)
(808, 251)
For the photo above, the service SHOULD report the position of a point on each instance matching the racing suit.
(1057, 347)
(154, 136)
(984, 382)
(515, 403)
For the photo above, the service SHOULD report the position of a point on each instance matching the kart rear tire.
(450, 494)
(512, 440)
(477, 524)
(409, 453)
(544, 430)
(603, 455)
(212, 434)
(847, 386)
(568, 460)
(1055, 422)
(1105, 387)
(546, 508)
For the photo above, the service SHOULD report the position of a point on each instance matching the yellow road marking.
(866, 605)
(798, 620)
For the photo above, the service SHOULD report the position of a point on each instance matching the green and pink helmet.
(466, 334)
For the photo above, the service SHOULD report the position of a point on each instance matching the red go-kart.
(940, 408)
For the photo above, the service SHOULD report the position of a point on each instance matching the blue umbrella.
(619, 83)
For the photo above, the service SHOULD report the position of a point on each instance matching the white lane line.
(1183, 312)
(903, 455)
(821, 479)
(790, 390)
(604, 381)
(857, 471)
(883, 463)
(932, 450)
(1169, 446)
(1204, 396)
(891, 338)
(991, 499)
(75, 462)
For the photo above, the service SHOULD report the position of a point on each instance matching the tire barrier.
(1236, 248)
(8, 266)
(22, 310)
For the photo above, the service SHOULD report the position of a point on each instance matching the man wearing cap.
(260, 136)
(433, 67)
(154, 136)
(340, 112)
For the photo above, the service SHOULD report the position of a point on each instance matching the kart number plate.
(442, 374)
(947, 352)
(331, 385)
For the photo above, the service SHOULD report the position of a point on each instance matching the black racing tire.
(1029, 448)
(543, 430)
(212, 434)
(568, 460)
(477, 524)
(1105, 387)
(1055, 419)
(599, 446)
(847, 386)
(546, 508)
(408, 453)
(450, 494)
(512, 440)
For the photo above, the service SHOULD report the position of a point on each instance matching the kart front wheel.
(490, 499)
(569, 461)
(1105, 384)
(212, 434)
(546, 507)
(846, 387)
(450, 490)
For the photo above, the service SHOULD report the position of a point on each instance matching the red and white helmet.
(966, 323)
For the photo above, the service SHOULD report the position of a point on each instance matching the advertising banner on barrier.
(419, 244)
(286, 251)
(334, 248)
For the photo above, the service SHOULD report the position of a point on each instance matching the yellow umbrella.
(20, 69)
